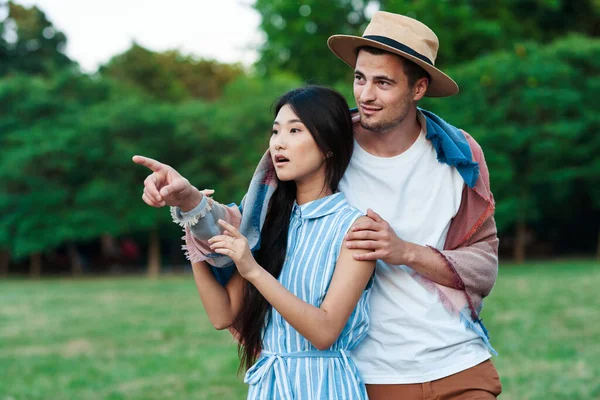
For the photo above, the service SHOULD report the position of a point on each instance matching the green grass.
(544, 321)
(131, 338)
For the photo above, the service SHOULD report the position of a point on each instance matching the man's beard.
(386, 125)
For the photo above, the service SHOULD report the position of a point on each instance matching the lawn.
(132, 338)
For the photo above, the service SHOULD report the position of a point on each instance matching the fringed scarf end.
(189, 220)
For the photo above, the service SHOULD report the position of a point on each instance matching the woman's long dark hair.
(325, 114)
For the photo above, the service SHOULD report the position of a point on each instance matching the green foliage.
(29, 43)
(535, 112)
(297, 34)
(63, 163)
(297, 31)
(468, 29)
(66, 138)
(44, 160)
(66, 172)
(170, 76)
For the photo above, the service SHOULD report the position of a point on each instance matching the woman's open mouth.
(280, 160)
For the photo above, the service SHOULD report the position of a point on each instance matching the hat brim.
(344, 47)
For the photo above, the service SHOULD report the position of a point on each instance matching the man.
(433, 234)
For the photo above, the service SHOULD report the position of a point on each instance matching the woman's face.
(294, 152)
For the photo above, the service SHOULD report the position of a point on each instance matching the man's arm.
(469, 261)
(471, 266)
(379, 237)
(474, 262)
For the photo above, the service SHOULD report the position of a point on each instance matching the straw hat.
(399, 35)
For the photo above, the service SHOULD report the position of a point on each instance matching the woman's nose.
(278, 142)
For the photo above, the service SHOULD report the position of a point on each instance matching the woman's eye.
(274, 132)
(294, 130)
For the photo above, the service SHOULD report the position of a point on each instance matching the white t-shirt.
(412, 337)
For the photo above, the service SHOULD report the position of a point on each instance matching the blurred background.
(96, 297)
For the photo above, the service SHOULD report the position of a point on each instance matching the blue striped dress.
(289, 366)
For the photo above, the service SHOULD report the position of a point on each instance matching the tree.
(66, 173)
(534, 112)
(468, 29)
(297, 32)
(39, 167)
(170, 76)
(29, 43)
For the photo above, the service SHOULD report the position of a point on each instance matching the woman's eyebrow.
(291, 121)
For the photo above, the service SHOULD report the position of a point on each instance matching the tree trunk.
(75, 260)
(4, 263)
(35, 265)
(110, 253)
(154, 254)
(520, 241)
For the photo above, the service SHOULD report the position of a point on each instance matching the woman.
(300, 303)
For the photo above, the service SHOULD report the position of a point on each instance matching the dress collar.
(320, 207)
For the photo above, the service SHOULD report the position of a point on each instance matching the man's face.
(381, 91)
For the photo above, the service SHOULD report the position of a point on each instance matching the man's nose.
(368, 93)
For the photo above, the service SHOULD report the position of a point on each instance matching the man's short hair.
(413, 71)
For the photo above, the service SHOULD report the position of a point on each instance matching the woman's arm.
(222, 304)
(320, 325)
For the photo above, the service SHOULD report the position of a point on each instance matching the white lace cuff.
(191, 218)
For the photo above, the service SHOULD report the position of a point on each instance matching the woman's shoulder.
(348, 216)
(333, 210)
(361, 218)
(352, 211)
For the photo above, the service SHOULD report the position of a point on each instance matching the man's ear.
(420, 88)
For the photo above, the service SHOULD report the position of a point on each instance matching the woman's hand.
(166, 187)
(235, 246)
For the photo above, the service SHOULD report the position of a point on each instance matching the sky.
(96, 30)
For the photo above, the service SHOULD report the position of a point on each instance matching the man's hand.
(379, 237)
(165, 186)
